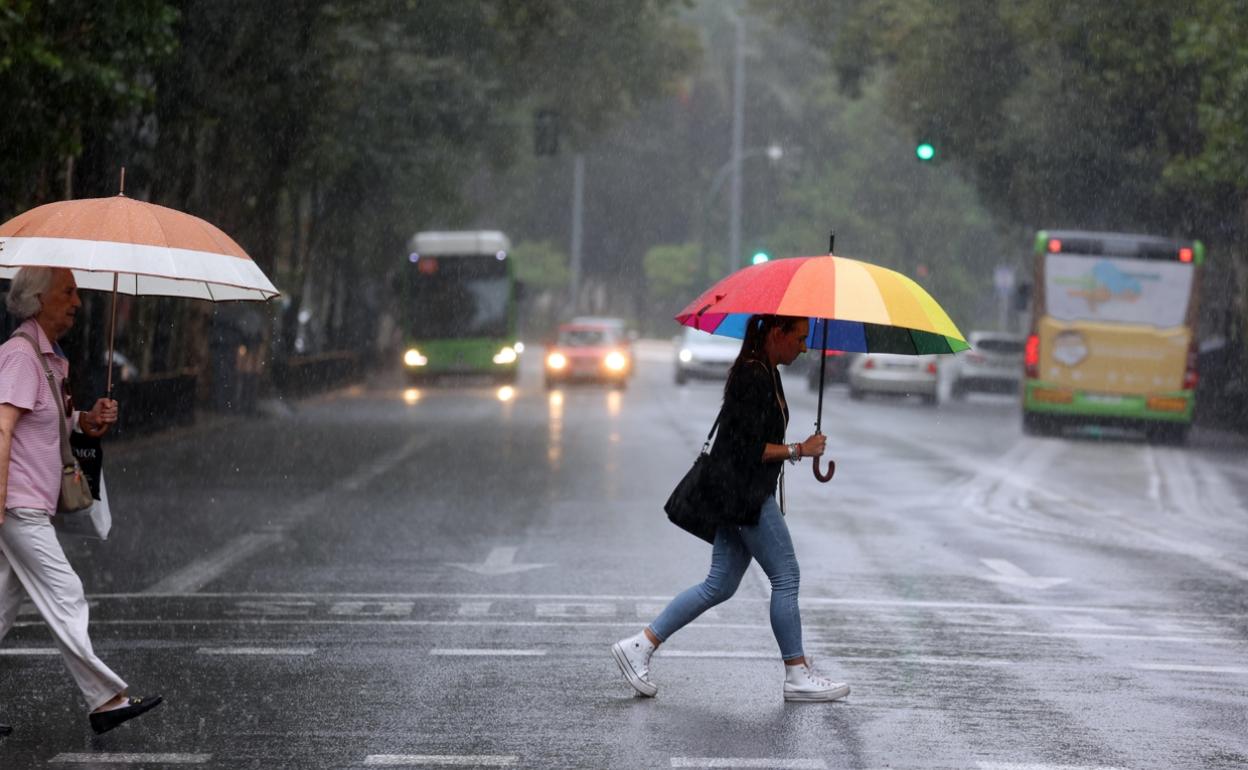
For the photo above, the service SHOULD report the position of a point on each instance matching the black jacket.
(755, 413)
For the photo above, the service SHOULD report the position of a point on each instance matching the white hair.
(23, 297)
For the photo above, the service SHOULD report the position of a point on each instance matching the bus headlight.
(556, 361)
(505, 356)
(616, 361)
(413, 358)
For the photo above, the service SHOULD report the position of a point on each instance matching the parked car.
(993, 364)
(836, 367)
(589, 352)
(895, 374)
(700, 355)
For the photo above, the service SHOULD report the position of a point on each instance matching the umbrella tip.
(831, 243)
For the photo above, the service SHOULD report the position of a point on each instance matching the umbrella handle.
(825, 478)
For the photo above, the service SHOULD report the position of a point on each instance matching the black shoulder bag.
(689, 506)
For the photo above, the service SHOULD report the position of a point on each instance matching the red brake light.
(1054, 245)
(869, 363)
(1031, 356)
(931, 367)
(1185, 254)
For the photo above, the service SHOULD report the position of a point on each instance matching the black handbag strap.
(707, 446)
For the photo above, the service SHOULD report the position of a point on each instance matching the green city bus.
(459, 296)
(1113, 332)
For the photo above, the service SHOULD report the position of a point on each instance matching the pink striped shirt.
(35, 455)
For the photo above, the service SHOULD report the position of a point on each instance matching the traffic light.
(925, 151)
(760, 257)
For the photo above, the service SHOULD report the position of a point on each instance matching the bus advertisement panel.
(1113, 337)
(459, 306)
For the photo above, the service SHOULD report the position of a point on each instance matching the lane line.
(1033, 766)
(916, 604)
(128, 758)
(372, 621)
(444, 760)
(203, 571)
(1185, 668)
(483, 652)
(780, 764)
(23, 651)
(256, 651)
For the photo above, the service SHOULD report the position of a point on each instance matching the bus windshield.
(458, 297)
(1117, 290)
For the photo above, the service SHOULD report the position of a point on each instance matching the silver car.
(895, 374)
(704, 356)
(993, 364)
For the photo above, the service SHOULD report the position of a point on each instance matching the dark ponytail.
(756, 330)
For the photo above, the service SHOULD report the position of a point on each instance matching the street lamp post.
(774, 153)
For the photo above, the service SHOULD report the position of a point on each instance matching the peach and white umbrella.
(126, 246)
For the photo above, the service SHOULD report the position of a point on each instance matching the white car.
(895, 374)
(704, 356)
(993, 364)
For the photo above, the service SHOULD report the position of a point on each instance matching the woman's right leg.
(729, 560)
(33, 553)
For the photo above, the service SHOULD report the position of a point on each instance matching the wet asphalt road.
(432, 578)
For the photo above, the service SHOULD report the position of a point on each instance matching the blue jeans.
(769, 542)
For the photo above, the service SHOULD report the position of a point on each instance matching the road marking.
(1178, 667)
(130, 758)
(474, 609)
(256, 651)
(23, 651)
(204, 571)
(810, 602)
(480, 652)
(781, 764)
(717, 654)
(574, 610)
(500, 561)
(1011, 574)
(455, 760)
(1026, 766)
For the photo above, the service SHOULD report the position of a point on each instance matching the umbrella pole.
(823, 363)
(112, 329)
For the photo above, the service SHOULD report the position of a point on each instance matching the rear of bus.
(1113, 333)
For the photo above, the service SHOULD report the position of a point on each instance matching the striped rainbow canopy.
(865, 308)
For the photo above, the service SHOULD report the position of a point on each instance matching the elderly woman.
(46, 301)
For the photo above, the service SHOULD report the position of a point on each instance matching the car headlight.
(556, 361)
(505, 356)
(413, 358)
(518, 347)
(685, 355)
(616, 361)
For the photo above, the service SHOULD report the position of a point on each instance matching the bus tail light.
(1192, 376)
(1031, 357)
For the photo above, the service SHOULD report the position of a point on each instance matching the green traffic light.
(760, 257)
(925, 151)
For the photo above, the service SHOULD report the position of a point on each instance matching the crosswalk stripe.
(130, 758)
(445, 760)
(762, 762)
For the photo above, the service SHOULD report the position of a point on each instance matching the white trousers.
(31, 558)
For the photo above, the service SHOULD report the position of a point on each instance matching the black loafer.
(103, 721)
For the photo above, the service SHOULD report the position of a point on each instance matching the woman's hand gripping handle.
(814, 447)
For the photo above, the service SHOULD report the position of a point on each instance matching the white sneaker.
(803, 684)
(633, 656)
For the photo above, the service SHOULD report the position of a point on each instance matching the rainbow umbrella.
(853, 306)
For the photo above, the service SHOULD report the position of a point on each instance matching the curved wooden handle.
(825, 478)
